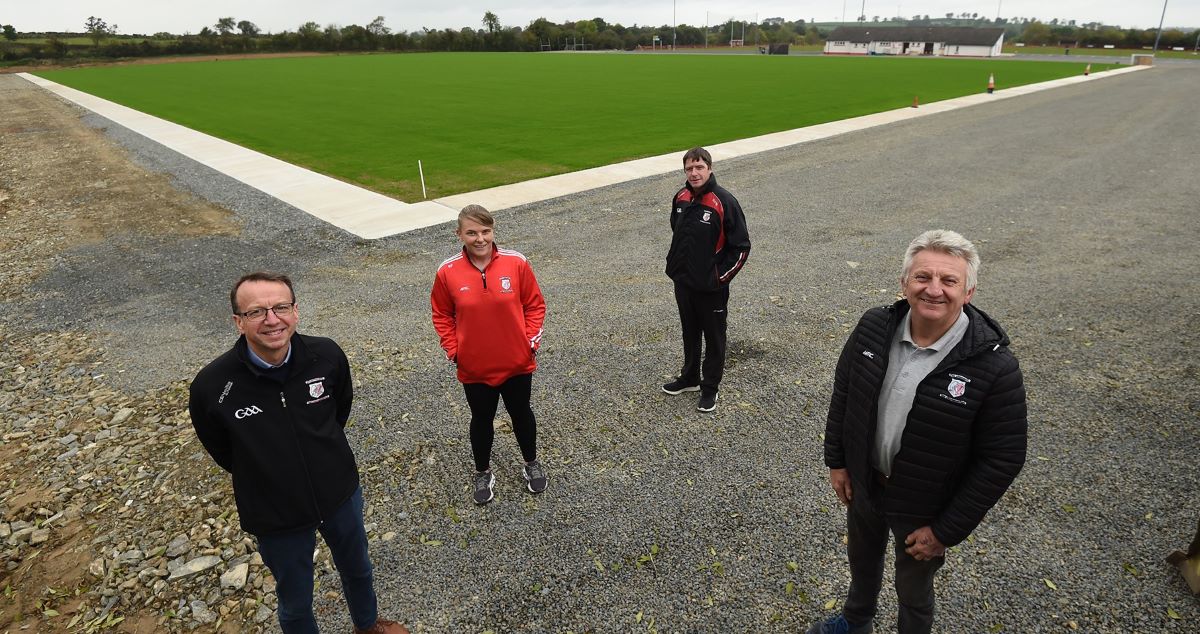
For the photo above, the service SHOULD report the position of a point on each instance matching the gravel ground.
(1083, 203)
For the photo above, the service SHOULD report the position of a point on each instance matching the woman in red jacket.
(488, 311)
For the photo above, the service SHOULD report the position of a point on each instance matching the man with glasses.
(272, 412)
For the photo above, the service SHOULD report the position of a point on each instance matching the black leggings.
(483, 399)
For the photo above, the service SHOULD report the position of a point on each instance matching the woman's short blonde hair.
(476, 213)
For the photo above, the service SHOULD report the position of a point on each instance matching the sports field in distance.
(477, 120)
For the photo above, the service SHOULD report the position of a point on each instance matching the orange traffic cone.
(991, 83)
(1087, 71)
(915, 103)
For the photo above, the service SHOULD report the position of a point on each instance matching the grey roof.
(960, 35)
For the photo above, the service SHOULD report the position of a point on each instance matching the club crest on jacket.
(958, 385)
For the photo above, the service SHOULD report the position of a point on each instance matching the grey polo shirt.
(908, 365)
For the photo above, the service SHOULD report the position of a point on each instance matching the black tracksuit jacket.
(965, 438)
(709, 241)
(284, 443)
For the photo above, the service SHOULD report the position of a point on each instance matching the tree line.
(229, 35)
(1097, 35)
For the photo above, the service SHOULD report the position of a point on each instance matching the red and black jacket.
(710, 242)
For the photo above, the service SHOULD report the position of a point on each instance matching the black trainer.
(535, 476)
(484, 483)
(679, 386)
(708, 401)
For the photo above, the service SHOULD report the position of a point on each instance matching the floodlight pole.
(1158, 36)
(673, 2)
(863, 12)
(998, 4)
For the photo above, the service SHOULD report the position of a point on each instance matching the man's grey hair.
(948, 242)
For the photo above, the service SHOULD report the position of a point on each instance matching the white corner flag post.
(422, 171)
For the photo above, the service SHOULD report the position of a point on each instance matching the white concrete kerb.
(371, 215)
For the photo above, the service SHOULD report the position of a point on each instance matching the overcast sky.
(180, 16)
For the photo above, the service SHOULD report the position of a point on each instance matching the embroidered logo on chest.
(705, 218)
(316, 389)
(958, 385)
(505, 284)
(246, 412)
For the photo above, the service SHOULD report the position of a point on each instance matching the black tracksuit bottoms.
(483, 400)
(703, 314)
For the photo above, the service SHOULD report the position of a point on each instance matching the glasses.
(259, 314)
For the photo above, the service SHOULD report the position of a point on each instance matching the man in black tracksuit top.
(709, 245)
(926, 431)
(272, 412)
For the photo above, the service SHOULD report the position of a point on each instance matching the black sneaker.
(839, 625)
(484, 483)
(535, 476)
(708, 401)
(679, 386)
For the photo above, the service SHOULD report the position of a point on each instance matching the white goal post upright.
(737, 25)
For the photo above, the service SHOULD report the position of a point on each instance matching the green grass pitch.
(477, 120)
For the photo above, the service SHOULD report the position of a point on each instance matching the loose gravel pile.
(659, 518)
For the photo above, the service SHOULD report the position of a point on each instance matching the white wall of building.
(846, 48)
(914, 48)
(955, 50)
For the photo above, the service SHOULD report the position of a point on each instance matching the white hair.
(948, 242)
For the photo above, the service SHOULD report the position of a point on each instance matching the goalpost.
(731, 25)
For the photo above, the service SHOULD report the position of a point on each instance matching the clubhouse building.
(946, 41)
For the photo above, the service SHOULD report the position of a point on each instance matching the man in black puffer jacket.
(926, 430)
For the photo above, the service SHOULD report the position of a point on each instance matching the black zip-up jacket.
(284, 443)
(964, 441)
(709, 238)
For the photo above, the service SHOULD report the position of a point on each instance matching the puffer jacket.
(965, 438)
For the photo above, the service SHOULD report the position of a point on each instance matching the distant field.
(478, 120)
(748, 49)
(70, 41)
(1108, 52)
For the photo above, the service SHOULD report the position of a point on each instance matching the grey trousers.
(868, 531)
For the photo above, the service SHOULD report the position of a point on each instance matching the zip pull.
(483, 274)
(283, 400)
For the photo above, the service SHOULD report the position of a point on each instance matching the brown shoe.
(383, 626)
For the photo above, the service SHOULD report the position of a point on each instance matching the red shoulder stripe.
(711, 200)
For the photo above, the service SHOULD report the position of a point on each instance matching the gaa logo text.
(247, 411)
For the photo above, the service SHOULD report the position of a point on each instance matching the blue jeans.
(290, 558)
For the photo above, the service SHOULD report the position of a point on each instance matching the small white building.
(947, 41)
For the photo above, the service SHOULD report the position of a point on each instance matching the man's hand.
(923, 545)
(840, 479)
